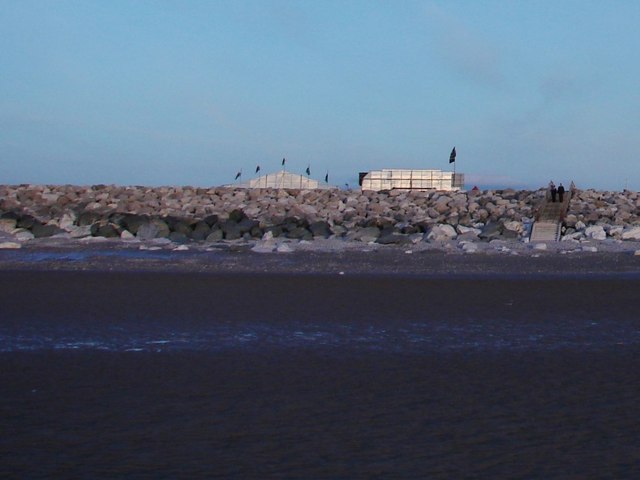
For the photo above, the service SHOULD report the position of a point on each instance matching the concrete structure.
(388, 179)
(284, 179)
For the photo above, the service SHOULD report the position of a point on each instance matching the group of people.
(556, 192)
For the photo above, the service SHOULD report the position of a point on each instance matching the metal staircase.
(545, 231)
(548, 224)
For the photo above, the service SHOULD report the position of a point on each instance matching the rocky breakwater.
(598, 215)
(184, 215)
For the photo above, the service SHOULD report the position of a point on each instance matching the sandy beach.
(137, 359)
(240, 365)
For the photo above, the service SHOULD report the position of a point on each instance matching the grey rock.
(491, 231)
(180, 226)
(200, 231)
(147, 231)
(210, 220)
(441, 232)
(26, 221)
(178, 237)
(246, 225)
(107, 230)
(162, 227)
(88, 218)
(133, 222)
(23, 234)
(274, 230)
(237, 215)
(393, 238)
(10, 216)
(231, 231)
(320, 229)
(215, 235)
(367, 234)
(7, 225)
(40, 231)
(299, 233)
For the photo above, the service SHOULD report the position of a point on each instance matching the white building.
(389, 179)
(284, 179)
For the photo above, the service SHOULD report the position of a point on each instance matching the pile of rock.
(600, 215)
(186, 214)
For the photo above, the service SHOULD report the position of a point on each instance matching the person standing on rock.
(560, 192)
(552, 189)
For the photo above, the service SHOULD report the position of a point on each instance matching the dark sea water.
(184, 375)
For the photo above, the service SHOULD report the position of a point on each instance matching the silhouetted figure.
(560, 193)
(553, 191)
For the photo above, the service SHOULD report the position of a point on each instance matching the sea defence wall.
(187, 214)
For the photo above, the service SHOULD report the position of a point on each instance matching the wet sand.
(299, 414)
(237, 258)
(428, 366)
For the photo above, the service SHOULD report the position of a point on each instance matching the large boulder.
(596, 232)
(441, 232)
(393, 238)
(632, 233)
(178, 237)
(41, 230)
(67, 221)
(231, 230)
(215, 235)
(320, 229)
(366, 235)
(237, 215)
(210, 220)
(247, 225)
(26, 221)
(300, 233)
(163, 228)
(7, 225)
(147, 231)
(467, 233)
(133, 222)
(88, 218)
(23, 234)
(491, 231)
(105, 229)
(201, 231)
(513, 226)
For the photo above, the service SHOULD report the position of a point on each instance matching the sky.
(191, 92)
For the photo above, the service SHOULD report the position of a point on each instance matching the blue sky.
(188, 92)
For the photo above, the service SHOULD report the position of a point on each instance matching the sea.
(165, 374)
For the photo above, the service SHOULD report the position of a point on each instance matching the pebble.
(9, 245)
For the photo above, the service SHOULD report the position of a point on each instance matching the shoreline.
(501, 259)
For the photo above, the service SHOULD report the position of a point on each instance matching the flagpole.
(452, 159)
(282, 176)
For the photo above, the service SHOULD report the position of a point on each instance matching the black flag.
(326, 178)
(452, 157)
(238, 175)
(308, 170)
(283, 160)
(257, 168)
